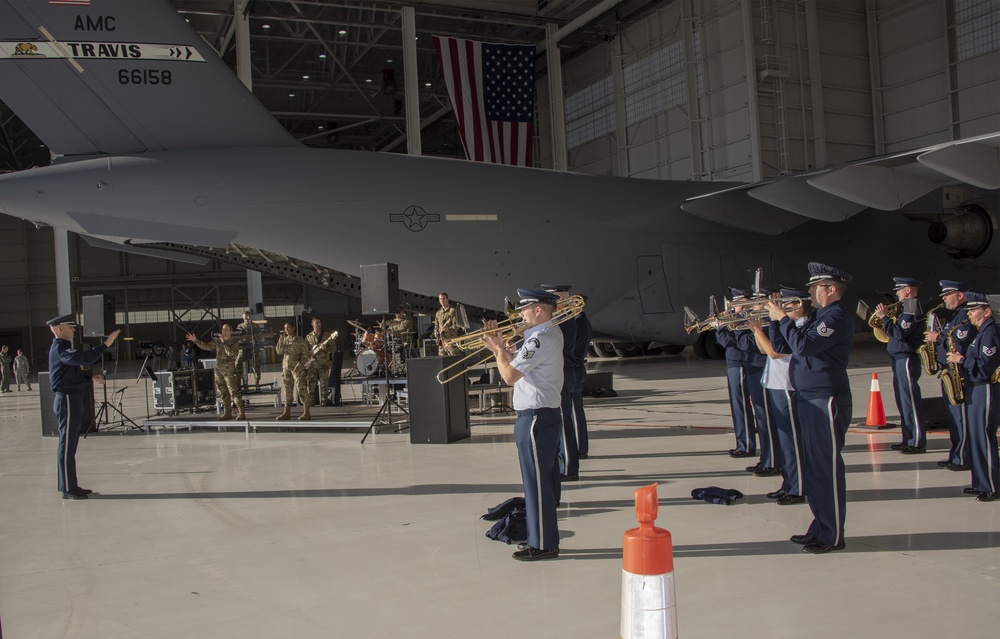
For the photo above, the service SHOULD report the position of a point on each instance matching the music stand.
(146, 372)
(104, 412)
(388, 399)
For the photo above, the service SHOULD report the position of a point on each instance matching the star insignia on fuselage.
(414, 218)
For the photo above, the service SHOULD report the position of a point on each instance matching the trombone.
(509, 329)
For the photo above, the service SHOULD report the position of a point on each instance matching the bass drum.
(368, 362)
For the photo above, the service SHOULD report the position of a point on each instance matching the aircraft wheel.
(627, 349)
(605, 349)
(672, 349)
(707, 348)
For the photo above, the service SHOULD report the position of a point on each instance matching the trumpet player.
(569, 450)
(981, 363)
(739, 392)
(754, 362)
(956, 333)
(905, 331)
(536, 372)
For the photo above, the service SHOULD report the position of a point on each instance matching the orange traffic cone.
(648, 599)
(876, 411)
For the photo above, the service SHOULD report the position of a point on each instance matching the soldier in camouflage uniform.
(295, 352)
(21, 369)
(228, 358)
(446, 325)
(5, 370)
(321, 345)
(251, 336)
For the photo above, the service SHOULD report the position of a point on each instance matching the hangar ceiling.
(331, 71)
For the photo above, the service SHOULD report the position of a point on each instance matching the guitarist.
(321, 346)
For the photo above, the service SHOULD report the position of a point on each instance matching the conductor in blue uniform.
(906, 334)
(820, 351)
(536, 372)
(69, 383)
(981, 364)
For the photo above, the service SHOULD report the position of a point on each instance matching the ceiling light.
(369, 80)
(342, 32)
(305, 77)
(322, 56)
(427, 84)
(389, 60)
(291, 95)
(265, 26)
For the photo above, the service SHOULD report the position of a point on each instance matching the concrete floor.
(308, 533)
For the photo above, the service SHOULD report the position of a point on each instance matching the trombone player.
(905, 330)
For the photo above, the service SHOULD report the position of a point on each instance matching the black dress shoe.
(778, 494)
(943, 464)
(988, 497)
(754, 468)
(85, 491)
(766, 471)
(569, 478)
(818, 547)
(802, 539)
(971, 491)
(789, 500)
(958, 467)
(912, 450)
(897, 446)
(741, 453)
(534, 554)
(74, 496)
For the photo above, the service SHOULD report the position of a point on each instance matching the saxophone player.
(980, 365)
(956, 333)
(906, 333)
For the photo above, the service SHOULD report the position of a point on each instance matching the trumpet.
(509, 329)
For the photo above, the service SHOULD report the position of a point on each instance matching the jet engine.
(965, 231)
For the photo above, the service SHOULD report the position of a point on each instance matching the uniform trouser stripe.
(66, 446)
(958, 428)
(537, 437)
(538, 474)
(834, 479)
(795, 438)
(984, 416)
(914, 391)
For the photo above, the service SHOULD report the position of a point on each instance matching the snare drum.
(368, 362)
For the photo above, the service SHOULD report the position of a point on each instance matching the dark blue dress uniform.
(753, 370)
(821, 349)
(906, 334)
(584, 331)
(536, 398)
(957, 325)
(569, 452)
(983, 403)
(782, 416)
(69, 383)
(739, 392)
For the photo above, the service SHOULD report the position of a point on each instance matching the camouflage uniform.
(21, 370)
(446, 327)
(227, 360)
(404, 325)
(251, 335)
(295, 352)
(319, 370)
(5, 373)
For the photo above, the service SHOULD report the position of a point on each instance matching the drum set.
(374, 349)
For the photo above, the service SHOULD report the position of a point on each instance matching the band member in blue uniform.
(69, 383)
(906, 334)
(821, 349)
(754, 362)
(781, 399)
(584, 331)
(981, 363)
(959, 332)
(536, 372)
(739, 393)
(569, 452)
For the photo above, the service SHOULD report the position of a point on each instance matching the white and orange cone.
(876, 410)
(649, 605)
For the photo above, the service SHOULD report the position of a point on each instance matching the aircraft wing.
(834, 194)
(84, 90)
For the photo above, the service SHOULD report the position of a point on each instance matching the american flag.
(492, 89)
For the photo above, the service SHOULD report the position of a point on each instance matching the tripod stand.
(388, 400)
(104, 412)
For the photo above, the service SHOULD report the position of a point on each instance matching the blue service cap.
(762, 293)
(62, 320)
(527, 297)
(976, 300)
(737, 293)
(903, 282)
(555, 288)
(821, 272)
(794, 292)
(951, 286)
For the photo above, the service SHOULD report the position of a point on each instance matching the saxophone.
(927, 351)
(951, 378)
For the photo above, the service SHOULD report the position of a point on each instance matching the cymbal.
(358, 325)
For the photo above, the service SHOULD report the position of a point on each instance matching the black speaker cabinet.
(98, 315)
(50, 425)
(439, 413)
(379, 289)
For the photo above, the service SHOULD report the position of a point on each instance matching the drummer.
(401, 325)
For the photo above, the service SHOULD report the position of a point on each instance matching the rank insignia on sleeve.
(961, 334)
(824, 330)
(989, 352)
(905, 324)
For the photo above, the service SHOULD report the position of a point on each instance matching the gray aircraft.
(156, 140)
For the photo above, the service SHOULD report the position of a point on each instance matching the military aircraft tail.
(122, 76)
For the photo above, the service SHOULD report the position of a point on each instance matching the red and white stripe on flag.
(492, 91)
